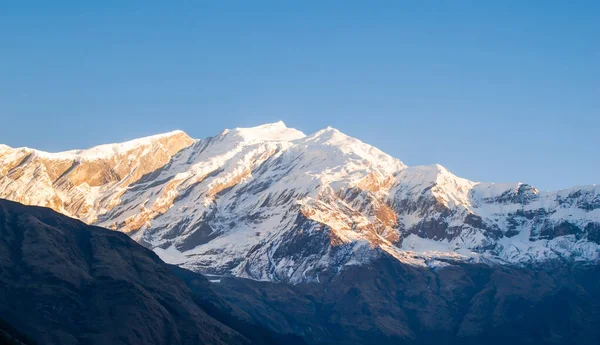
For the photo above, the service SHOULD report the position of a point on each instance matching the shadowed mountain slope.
(64, 282)
(389, 303)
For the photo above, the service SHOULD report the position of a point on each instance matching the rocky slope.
(64, 282)
(270, 203)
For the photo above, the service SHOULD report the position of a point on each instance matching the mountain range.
(266, 235)
(270, 203)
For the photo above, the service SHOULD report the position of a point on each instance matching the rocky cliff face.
(270, 203)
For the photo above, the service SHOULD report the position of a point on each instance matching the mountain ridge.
(271, 203)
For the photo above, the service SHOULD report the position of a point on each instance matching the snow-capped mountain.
(271, 203)
(83, 183)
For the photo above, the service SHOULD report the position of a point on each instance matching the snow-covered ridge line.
(105, 150)
(272, 203)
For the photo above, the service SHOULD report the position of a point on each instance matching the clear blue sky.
(493, 90)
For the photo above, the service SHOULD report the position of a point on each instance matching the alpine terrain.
(270, 203)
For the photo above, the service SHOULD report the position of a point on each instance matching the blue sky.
(493, 90)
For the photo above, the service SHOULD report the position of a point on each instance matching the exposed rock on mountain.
(64, 282)
(270, 203)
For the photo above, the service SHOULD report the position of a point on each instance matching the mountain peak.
(276, 131)
(278, 124)
(330, 135)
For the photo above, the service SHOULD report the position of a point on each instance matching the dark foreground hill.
(64, 282)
